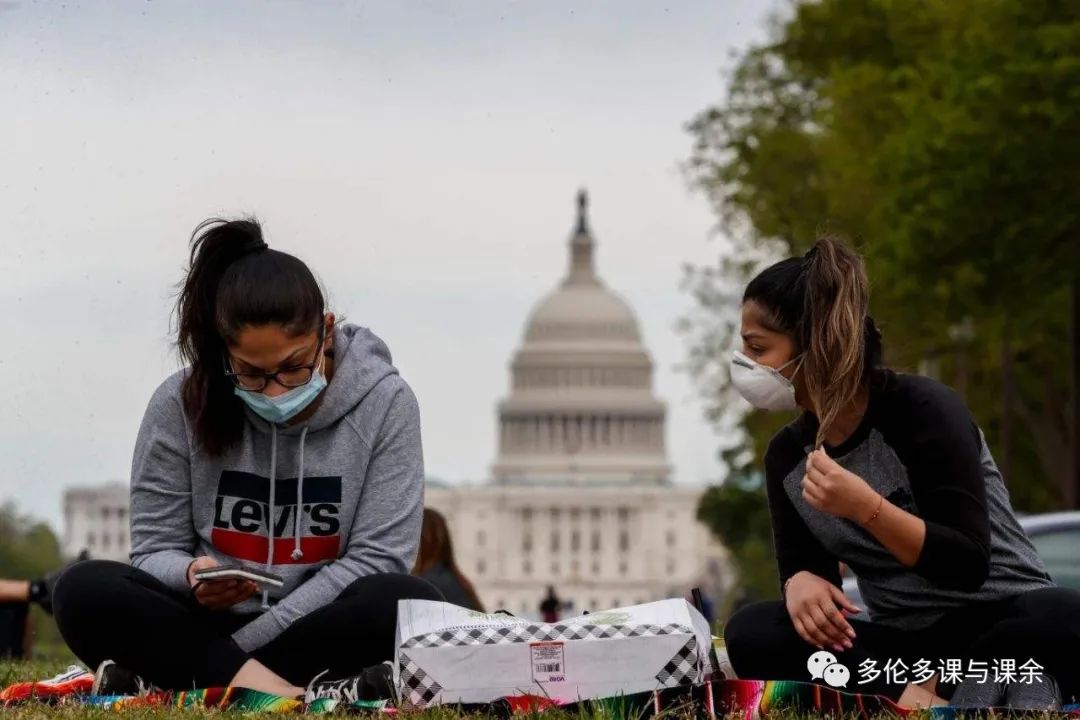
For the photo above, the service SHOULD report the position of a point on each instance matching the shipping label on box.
(448, 654)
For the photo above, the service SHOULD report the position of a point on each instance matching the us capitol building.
(581, 497)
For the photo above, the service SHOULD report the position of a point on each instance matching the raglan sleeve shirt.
(939, 445)
(944, 464)
(796, 547)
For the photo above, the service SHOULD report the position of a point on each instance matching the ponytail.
(834, 329)
(233, 281)
(821, 300)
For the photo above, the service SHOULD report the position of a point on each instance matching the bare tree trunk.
(1072, 489)
(1006, 403)
(961, 355)
(1051, 440)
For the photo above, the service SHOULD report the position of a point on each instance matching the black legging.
(1042, 624)
(111, 611)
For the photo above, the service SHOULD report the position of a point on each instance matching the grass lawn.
(18, 671)
(22, 670)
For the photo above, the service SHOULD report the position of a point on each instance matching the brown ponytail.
(821, 300)
(834, 322)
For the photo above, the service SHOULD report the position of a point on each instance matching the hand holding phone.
(238, 572)
(217, 594)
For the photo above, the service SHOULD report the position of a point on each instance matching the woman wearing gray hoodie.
(289, 444)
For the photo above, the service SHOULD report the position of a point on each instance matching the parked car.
(1055, 535)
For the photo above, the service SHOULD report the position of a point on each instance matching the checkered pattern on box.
(538, 633)
(684, 667)
(417, 689)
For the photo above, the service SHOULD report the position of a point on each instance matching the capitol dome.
(582, 313)
(581, 407)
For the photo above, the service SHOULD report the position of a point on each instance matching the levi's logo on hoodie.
(242, 510)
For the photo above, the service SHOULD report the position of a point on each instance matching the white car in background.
(1055, 535)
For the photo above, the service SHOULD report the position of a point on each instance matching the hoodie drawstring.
(270, 516)
(297, 553)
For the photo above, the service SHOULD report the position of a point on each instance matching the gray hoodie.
(356, 465)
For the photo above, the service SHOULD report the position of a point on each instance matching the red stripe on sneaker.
(78, 682)
(247, 546)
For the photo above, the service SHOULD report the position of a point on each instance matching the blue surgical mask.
(286, 406)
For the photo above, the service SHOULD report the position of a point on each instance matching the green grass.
(37, 669)
(40, 668)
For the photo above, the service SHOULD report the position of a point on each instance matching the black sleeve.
(797, 548)
(940, 445)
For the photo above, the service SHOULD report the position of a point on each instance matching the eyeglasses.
(292, 377)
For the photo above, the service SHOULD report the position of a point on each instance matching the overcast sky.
(422, 157)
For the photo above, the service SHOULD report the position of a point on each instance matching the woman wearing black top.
(436, 563)
(889, 474)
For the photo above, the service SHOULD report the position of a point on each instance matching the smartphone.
(236, 572)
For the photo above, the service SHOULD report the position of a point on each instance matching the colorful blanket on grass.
(742, 699)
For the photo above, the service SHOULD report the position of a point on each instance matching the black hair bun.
(255, 244)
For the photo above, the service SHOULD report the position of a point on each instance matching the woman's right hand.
(813, 604)
(218, 594)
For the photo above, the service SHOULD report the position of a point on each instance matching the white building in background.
(581, 497)
(96, 520)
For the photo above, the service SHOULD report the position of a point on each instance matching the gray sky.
(422, 157)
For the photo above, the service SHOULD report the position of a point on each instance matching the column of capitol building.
(581, 497)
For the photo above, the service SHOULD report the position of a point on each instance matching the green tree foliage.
(943, 139)
(28, 549)
(737, 512)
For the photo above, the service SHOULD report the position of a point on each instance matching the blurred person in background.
(15, 625)
(436, 564)
(550, 606)
(16, 635)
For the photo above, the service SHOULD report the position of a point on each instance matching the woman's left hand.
(832, 489)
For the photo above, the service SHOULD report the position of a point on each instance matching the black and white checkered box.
(447, 654)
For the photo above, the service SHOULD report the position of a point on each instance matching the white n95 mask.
(762, 386)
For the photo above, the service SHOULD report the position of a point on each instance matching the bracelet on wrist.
(881, 502)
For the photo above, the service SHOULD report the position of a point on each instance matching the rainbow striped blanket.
(740, 699)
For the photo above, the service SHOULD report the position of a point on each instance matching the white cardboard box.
(448, 654)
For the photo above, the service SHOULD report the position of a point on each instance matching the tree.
(943, 137)
(28, 549)
(738, 514)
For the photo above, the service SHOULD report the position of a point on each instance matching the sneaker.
(111, 679)
(76, 680)
(373, 683)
